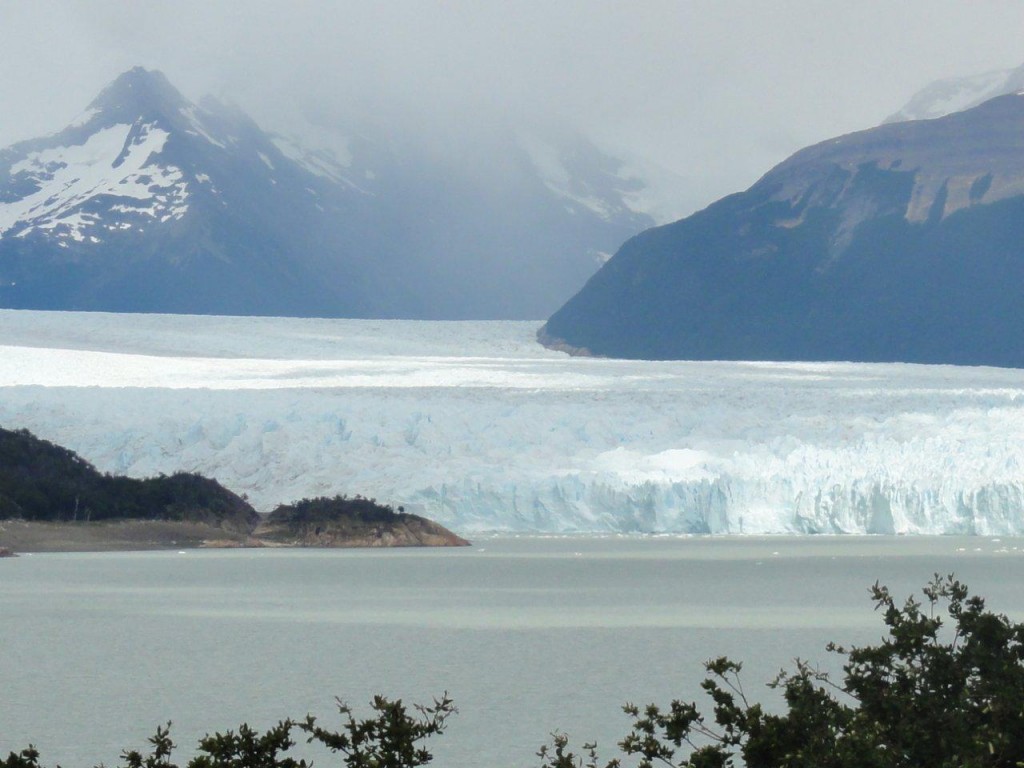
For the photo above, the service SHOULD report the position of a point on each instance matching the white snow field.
(477, 426)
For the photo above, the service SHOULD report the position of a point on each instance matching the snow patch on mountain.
(654, 190)
(323, 153)
(84, 118)
(113, 162)
(635, 184)
(547, 161)
(967, 93)
(955, 94)
(198, 128)
(476, 425)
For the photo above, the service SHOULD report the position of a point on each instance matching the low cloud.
(717, 92)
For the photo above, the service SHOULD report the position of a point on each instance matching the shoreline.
(24, 537)
(20, 537)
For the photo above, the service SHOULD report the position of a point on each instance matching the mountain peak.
(150, 202)
(139, 91)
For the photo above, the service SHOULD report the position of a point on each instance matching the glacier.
(477, 426)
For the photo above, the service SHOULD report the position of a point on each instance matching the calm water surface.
(528, 635)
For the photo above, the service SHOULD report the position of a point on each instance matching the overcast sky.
(717, 90)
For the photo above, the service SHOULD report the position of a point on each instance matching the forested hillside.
(40, 481)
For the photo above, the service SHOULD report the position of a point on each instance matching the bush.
(391, 738)
(935, 693)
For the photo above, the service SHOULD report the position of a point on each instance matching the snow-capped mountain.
(956, 94)
(149, 202)
(898, 243)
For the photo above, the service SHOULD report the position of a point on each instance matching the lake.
(527, 634)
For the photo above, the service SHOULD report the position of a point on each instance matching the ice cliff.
(476, 426)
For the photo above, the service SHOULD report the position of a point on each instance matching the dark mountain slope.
(901, 243)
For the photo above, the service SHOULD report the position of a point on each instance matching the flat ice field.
(480, 428)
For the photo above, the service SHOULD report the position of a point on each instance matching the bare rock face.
(344, 522)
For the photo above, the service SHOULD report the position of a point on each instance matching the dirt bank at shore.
(19, 536)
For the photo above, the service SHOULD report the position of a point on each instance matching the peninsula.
(52, 500)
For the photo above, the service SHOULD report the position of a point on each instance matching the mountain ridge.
(895, 244)
(151, 203)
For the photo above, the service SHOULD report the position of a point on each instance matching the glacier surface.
(476, 425)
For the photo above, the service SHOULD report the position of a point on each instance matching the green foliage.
(245, 749)
(248, 748)
(40, 481)
(558, 755)
(944, 689)
(27, 758)
(160, 757)
(388, 740)
(37, 478)
(328, 510)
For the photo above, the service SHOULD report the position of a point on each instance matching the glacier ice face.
(477, 426)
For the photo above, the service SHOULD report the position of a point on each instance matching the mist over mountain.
(898, 243)
(151, 203)
(955, 94)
